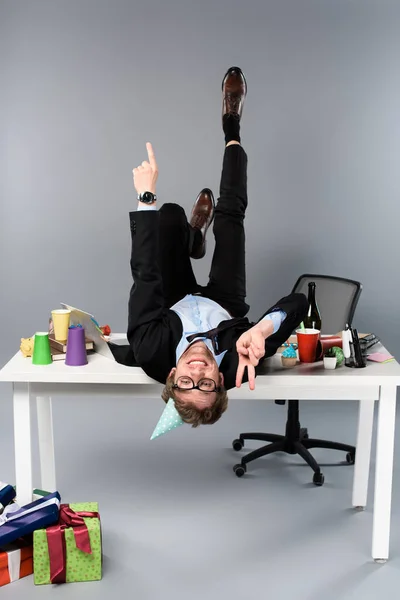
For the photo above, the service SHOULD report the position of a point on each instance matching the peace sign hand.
(245, 362)
(251, 349)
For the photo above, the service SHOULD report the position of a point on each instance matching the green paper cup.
(41, 349)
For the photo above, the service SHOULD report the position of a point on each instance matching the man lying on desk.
(194, 338)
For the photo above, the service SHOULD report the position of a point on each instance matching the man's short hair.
(190, 413)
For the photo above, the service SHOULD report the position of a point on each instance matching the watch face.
(148, 197)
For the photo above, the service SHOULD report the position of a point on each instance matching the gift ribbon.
(9, 510)
(56, 539)
(13, 511)
(14, 565)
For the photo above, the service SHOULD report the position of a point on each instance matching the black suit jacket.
(154, 331)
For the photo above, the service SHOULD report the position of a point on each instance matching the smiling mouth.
(197, 353)
(197, 361)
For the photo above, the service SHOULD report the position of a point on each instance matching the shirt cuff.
(277, 317)
(149, 207)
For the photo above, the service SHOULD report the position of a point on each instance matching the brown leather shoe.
(234, 90)
(201, 219)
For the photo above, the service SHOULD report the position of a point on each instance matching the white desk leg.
(363, 453)
(46, 443)
(22, 443)
(383, 473)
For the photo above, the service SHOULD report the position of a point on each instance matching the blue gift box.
(15, 522)
(7, 495)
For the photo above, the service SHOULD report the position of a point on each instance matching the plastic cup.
(61, 319)
(307, 340)
(41, 349)
(76, 347)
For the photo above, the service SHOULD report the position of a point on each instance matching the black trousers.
(227, 279)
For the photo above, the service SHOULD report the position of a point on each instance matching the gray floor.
(178, 524)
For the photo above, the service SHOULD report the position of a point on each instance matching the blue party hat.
(169, 420)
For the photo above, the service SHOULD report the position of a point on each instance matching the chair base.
(295, 441)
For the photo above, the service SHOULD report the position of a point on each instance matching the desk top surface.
(105, 371)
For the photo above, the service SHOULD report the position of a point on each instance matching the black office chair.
(337, 299)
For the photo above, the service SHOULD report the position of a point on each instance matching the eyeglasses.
(204, 385)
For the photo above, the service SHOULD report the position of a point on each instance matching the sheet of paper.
(380, 357)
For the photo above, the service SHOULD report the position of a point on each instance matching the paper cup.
(76, 347)
(61, 319)
(41, 349)
(307, 340)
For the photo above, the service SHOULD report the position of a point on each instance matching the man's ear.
(172, 372)
(221, 378)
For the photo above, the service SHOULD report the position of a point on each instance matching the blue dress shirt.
(198, 313)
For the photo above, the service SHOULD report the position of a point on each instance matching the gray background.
(83, 86)
(86, 84)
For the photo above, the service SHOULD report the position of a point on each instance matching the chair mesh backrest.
(336, 298)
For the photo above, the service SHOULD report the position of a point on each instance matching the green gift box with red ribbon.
(70, 550)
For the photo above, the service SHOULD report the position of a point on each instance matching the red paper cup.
(307, 340)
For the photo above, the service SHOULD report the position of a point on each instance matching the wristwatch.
(147, 198)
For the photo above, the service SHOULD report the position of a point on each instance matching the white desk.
(305, 382)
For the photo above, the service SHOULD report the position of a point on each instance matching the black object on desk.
(368, 341)
(356, 359)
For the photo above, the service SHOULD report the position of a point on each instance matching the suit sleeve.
(294, 307)
(149, 331)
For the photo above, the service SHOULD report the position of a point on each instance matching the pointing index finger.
(150, 153)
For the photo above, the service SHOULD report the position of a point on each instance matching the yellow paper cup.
(61, 319)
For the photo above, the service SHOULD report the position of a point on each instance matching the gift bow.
(8, 512)
(56, 539)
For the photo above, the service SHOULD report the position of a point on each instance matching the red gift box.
(16, 561)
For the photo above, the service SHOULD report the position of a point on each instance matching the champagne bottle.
(313, 318)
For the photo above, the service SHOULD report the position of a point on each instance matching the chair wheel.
(318, 478)
(350, 458)
(303, 433)
(237, 445)
(239, 470)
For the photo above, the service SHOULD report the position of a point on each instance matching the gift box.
(71, 550)
(16, 561)
(36, 494)
(16, 522)
(7, 495)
